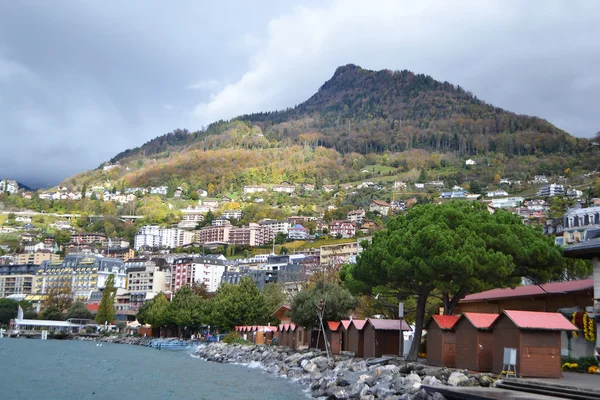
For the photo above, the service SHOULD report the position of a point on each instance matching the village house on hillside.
(345, 229)
(284, 187)
(356, 216)
(379, 206)
(249, 189)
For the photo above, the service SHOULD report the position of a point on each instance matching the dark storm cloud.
(81, 81)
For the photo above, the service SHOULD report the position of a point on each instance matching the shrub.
(581, 364)
(234, 338)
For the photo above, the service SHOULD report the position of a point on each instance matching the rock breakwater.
(345, 377)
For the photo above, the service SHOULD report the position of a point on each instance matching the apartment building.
(272, 227)
(192, 271)
(17, 279)
(191, 217)
(36, 258)
(147, 278)
(153, 236)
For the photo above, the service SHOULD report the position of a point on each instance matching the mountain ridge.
(356, 111)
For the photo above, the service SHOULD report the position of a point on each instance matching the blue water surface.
(69, 369)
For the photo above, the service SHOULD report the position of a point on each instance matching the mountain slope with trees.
(355, 115)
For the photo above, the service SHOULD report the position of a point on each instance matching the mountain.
(355, 117)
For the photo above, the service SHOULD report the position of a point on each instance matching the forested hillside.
(359, 117)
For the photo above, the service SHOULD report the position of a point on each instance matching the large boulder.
(431, 381)
(457, 379)
(310, 367)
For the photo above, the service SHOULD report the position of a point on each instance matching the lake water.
(69, 369)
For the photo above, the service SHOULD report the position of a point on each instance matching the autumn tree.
(106, 309)
(453, 249)
(59, 295)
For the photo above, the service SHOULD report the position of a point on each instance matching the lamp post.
(401, 317)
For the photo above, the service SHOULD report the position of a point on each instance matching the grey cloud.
(81, 81)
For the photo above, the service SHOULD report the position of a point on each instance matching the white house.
(470, 162)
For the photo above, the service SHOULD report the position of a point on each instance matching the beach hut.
(334, 335)
(345, 324)
(536, 336)
(382, 336)
(441, 341)
(356, 337)
(474, 341)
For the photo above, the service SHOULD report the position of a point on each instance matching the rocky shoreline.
(134, 340)
(344, 377)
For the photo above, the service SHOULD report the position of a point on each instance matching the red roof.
(480, 320)
(445, 321)
(540, 320)
(359, 323)
(93, 307)
(346, 323)
(531, 290)
(388, 324)
(333, 325)
(380, 203)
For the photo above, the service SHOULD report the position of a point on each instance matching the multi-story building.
(251, 235)
(36, 258)
(272, 227)
(149, 278)
(345, 229)
(153, 236)
(339, 254)
(191, 217)
(192, 271)
(497, 193)
(298, 232)
(356, 216)
(89, 238)
(85, 273)
(232, 214)
(285, 187)
(122, 253)
(551, 190)
(17, 279)
(249, 189)
(212, 234)
(577, 222)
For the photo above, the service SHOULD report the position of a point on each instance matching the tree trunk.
(419, 320)
(450, 304)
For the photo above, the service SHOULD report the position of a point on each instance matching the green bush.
(234, 338)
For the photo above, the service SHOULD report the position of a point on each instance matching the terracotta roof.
(530, 290)
(388, 324)
(333, 325)
(540, 320)
(480, 320)
(359, 323)
(380, 203)
(445, 321)
(346, 323)
(93, 307)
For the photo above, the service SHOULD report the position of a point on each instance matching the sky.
(82, 80)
